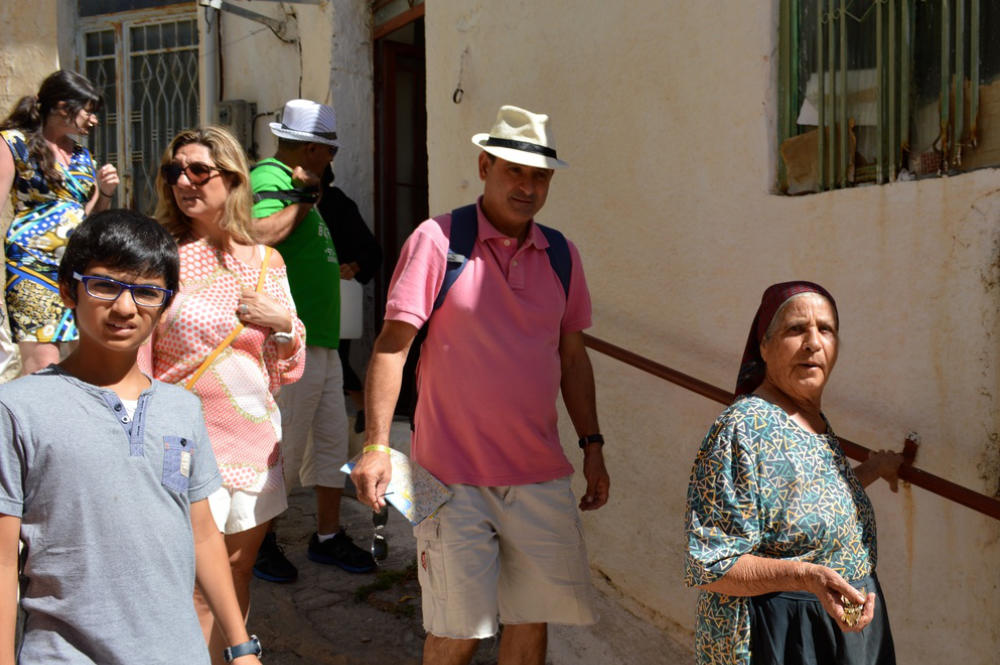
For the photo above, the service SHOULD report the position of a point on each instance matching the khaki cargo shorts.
(514, 552)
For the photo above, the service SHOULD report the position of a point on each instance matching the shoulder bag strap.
(236, 331)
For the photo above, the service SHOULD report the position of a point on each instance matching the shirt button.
(125, 419)
(506, 243)
(514, 263)
(118, 407)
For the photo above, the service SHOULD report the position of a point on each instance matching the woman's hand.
(831, 589)
(107, 180)
(349, 270)
(262, 310)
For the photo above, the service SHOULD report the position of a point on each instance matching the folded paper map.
(412, 490)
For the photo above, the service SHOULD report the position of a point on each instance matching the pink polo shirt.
(489, 369)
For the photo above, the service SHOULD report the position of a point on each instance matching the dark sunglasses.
(197, 173)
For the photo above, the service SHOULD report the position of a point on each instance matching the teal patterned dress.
(45, 215)
(763, 485)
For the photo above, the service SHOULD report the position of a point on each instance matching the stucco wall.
(665, 112)
(29, 50)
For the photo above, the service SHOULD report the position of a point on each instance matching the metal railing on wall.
(945, 488)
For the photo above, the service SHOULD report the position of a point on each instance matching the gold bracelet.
(376, 447)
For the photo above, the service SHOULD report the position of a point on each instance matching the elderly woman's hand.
(832, 589)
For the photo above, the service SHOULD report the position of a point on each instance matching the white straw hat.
(304, 120)
(521, 137)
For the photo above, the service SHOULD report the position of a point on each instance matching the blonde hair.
(230, 159)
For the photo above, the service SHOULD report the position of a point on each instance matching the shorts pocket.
(177, 452)
(430, 558)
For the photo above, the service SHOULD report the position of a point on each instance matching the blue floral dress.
(763, 485)
(45, 215)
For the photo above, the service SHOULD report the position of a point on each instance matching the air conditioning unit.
(237, 115)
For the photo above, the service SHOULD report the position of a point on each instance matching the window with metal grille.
(873, 91)
(146, 67)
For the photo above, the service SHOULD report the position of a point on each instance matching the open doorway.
(400, 153)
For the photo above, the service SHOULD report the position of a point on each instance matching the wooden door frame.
(386, 227)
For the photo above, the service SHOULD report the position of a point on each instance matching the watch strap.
(251, 646)
(591, 438)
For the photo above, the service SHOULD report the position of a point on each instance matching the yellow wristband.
(376, 447)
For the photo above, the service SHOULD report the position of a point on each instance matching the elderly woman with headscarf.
(781, 535)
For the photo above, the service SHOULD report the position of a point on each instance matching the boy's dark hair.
(124, 240)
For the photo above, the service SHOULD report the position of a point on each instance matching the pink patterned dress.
(237, 391)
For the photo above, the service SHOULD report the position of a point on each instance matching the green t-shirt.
(313, 270)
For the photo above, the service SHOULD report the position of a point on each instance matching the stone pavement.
(331, 617)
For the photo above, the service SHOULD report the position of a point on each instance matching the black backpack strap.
(559, 256)
(461, 240)
(287, 195)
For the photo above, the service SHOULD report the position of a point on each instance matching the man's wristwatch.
(591, 438)
(251, 646)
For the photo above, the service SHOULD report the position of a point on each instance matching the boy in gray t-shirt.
(104, 475)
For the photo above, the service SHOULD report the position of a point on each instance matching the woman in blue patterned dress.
(53, 184)
(781, 535)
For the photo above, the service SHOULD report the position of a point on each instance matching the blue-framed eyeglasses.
(105, 288)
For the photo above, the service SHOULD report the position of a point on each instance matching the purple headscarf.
(752, 368)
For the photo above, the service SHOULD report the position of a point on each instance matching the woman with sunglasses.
(229, 284)
(54, 184)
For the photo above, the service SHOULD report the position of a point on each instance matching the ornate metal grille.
(99, 67)
(164, 99)
(147, 70)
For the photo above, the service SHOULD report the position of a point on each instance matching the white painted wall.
(665, 111)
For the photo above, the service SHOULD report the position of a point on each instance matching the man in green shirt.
(286, 190)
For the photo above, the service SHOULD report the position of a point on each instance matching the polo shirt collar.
(488, 232)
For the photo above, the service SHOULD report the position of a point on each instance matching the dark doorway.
(400, 157)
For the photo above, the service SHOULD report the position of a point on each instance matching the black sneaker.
(341, 551)
(271, 564)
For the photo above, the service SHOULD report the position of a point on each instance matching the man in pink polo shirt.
(504, 341)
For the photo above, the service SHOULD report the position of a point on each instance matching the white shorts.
(315, 403)
(515, 552)
(238, 510)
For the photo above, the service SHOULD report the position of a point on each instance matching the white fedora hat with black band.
(521, 137)
(307, 121)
